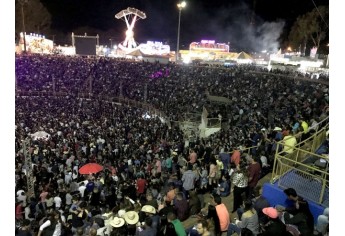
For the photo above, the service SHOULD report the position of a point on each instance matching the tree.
(311, 27)
(37, 18)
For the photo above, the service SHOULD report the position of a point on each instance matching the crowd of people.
(151, 180)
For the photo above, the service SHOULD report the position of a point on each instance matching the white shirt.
(101, 231)
(68, 177)
(68, 199)
(57, 201)
(264, 161)
(82, 190)
(74, 176)
(27, 213)
(57, 231)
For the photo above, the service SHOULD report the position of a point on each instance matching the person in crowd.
(178, 227)
(224, 156)
(249, 220)
(302, 218)
(181, 207)
(19, 210)
(240, 182)
(79, 215)
(192, 156)
(292, 201)
(132, 218)
(118, 226)
(194, 203)
(141, 185)
(223, 188)
(254, 172)
(202, 228)
(147, 229)
(322, 223)
(52, 226)
(290, 142)
(25, 229)
(203, 175)
(259, 203)
(189, 178)
(150, 200)
(274, 226)
(222, 212)
(82, 189)
(213, 220)
(213, 172)
(151, 212)
(235, 157)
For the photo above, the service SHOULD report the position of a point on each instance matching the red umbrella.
(90, 168)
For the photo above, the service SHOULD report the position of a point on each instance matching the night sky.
(220, 20)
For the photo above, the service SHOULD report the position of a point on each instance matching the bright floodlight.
(130, 14)
(181, 5)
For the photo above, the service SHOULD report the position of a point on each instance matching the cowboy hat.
(117, 222)
(131, 217)
(148, 209)
(277, 129)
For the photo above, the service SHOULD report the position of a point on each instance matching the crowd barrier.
(303, 169)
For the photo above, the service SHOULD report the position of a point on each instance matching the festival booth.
(244, 58)
(35, 43)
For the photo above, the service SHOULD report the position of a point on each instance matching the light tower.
(180, 6)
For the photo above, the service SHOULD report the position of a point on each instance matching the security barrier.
(303, 169)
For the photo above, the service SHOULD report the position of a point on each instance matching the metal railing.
(303, 169)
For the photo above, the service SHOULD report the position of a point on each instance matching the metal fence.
(303, 169)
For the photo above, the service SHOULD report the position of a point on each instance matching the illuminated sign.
(208, 41)
(209, 45)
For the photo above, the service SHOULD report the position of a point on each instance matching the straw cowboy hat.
(131, 217)
(148, 209)
(277, 129)
(117, 222)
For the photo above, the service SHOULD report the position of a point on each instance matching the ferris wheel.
(130, 16)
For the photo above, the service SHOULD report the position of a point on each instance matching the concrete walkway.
(228, 201)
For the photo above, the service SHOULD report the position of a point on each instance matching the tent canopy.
(135, 53)
(243, 55)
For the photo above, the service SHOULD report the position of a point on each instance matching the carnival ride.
(130, 16)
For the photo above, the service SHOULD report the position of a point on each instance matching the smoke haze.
(232, 24)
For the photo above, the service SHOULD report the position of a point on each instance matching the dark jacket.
(301, 221)
(275, 227)
(148, 231)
